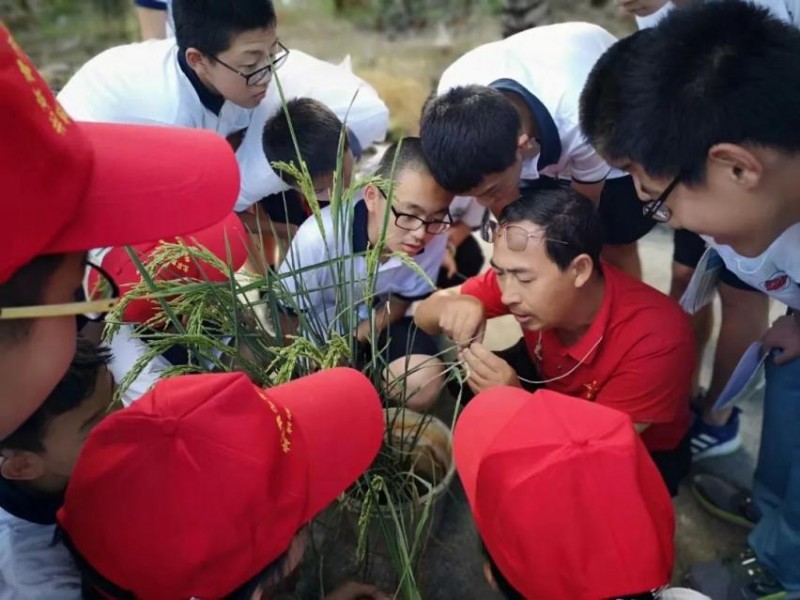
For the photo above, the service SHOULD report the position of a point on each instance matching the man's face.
(30, 367)
(249, 51)
(416, 195)
(498, 190)
(745, 218)
(534, 289)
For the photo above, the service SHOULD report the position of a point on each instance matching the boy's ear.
(582, 268)
(21, 465)
(195, 59)
(371, 197)
(738, 163)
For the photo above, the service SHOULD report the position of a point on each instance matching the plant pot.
(342, 526)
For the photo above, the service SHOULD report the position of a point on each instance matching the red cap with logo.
(205, 480)
(69, 186)
(226, 240)
(565, 496)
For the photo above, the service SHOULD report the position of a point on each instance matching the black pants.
(672, 464)
(469, 262)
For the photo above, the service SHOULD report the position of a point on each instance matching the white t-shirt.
(32, 567)
(351, 98)
(776, 272)
(548, 67)
(146, 83)
(345, 237)
(125, 352)
(467, 210)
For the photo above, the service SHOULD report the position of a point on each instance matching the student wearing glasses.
(324, 259)
(589, 330)
(217, 74)
(735, 181)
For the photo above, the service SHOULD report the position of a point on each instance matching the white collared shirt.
(548, 66)
(346, 237)
(144, 84)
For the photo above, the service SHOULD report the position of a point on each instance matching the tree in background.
(519, 15)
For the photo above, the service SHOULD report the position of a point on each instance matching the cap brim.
(339, 414)
(150, 182)
(483, 419)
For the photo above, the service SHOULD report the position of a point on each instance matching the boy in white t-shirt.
(735, 180)
(415, 227)
(36, 462)
(217, 74)
(507, 114)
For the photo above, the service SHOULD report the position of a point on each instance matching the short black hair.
(317, 130)
(25, 288)
(95, 586)
(404, 154)
(565, 216)
(711, 73)
(510, 593)
(210, 25)
(467, 133)
(75, 387)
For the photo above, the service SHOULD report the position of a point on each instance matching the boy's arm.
(152, 16)
(459, 317)
(391, 312)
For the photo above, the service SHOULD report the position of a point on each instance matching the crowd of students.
(563, 145)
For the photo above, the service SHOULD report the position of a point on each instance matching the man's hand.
(784, 335)
(463, 320)
(486, 369)
(641, 8)
(357, 591)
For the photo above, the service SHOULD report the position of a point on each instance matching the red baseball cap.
(205, 480)
(69, 186)
(565, 496)
(227, 240)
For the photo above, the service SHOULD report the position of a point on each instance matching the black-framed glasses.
(257, 76)
(657, 209)
(409, 222)
(101, 299)
(516, 237)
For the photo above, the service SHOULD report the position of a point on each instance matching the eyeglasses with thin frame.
(516, 237)
(259, 75)
(97, 306)
(656, 209)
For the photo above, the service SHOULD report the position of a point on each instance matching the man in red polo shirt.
(590, 331)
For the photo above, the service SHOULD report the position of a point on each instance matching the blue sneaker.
(710, 440)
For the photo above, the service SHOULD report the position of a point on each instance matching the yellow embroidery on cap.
(283, 422)
(58, 118)
(26, 71)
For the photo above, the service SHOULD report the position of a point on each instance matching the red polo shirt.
(643, 365)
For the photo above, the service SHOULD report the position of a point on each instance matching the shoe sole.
(725, 516)
(723, 449)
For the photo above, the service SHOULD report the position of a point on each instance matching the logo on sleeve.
(777, 282)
